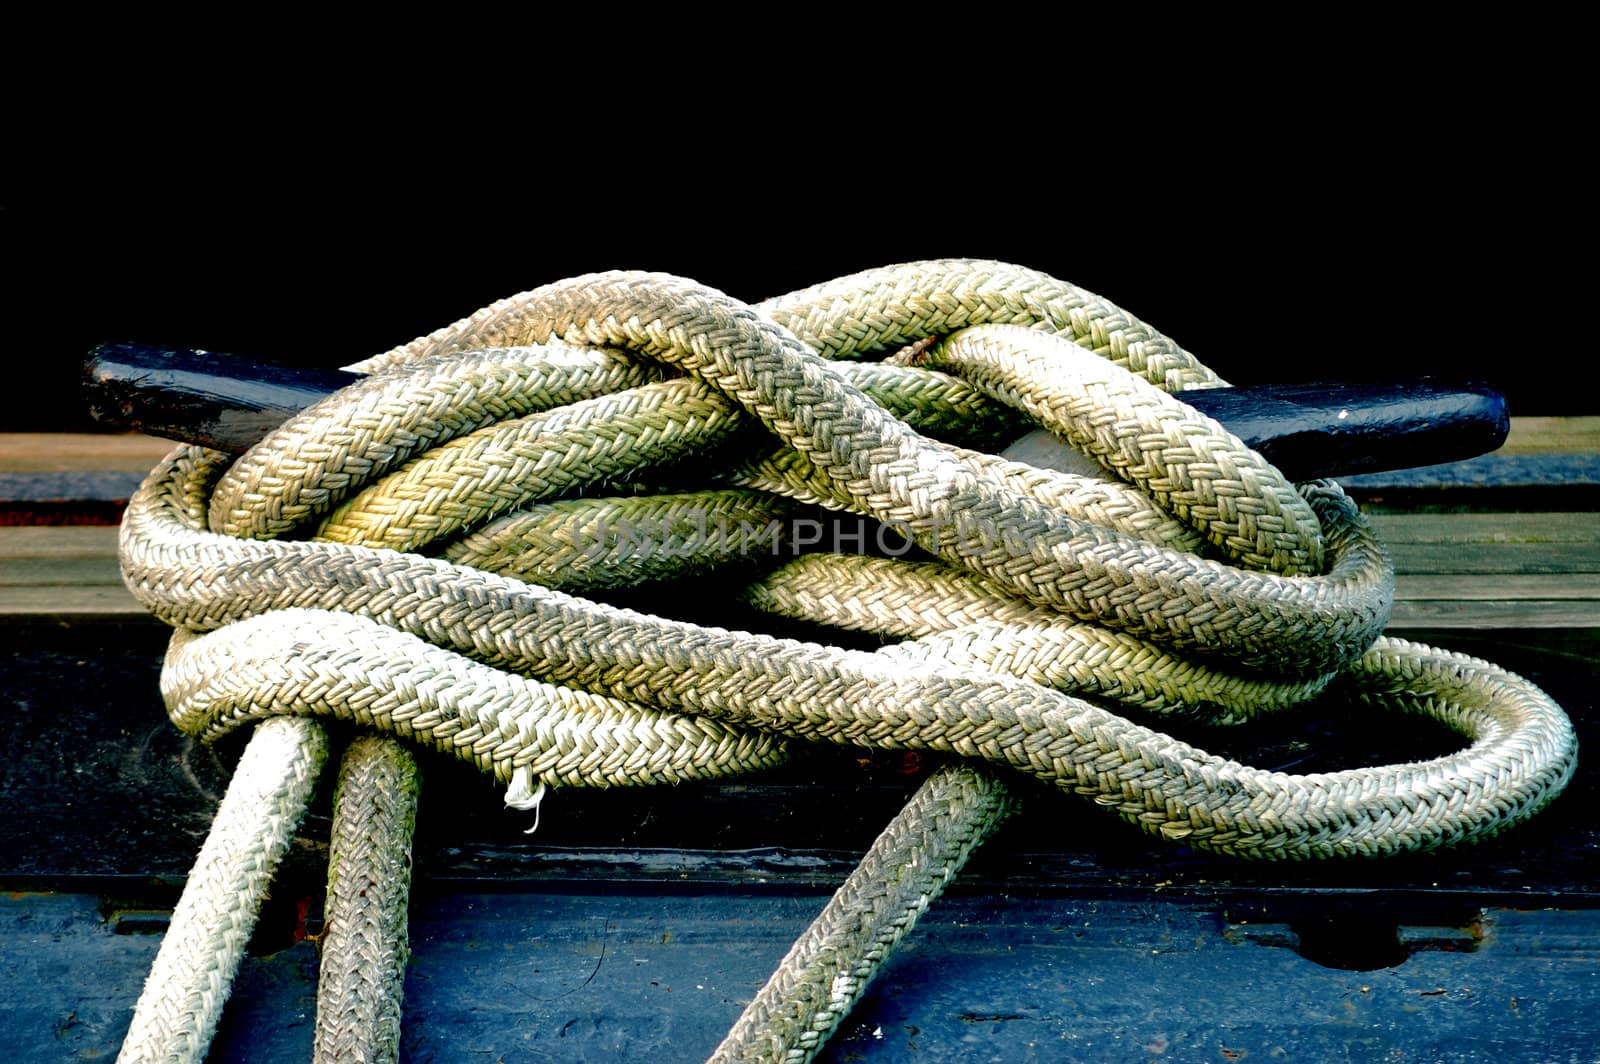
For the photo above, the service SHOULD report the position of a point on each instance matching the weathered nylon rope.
(957, 618)
(193, 972)
(1189, 464)
(420, 646)
(364, 944)
(829, 967)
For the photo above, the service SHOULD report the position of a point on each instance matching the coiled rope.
(1202, 583)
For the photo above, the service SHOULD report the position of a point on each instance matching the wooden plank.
(1495, 560)
(1552, 435)
(69, 571)
(107, 601)
(1489, 528)
(80, 452)
(59, 572)
(1474, 588)
(1498, 613)
(70, 541)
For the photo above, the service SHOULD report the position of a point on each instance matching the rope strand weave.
(364, 944)
(574, 388)
(182, 1000)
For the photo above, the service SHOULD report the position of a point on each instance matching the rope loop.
(407, 553)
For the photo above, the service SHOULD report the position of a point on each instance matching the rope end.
(522, 794)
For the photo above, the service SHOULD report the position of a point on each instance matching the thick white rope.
(545, 689)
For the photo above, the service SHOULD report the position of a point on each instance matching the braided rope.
(580, 544)
(829, 966)
(1079, 585)
(364, 946)
(1189, 464)
(350, 667)
(299, 471)
(193, 971)
(957, 618)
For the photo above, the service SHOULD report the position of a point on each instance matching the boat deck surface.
(635, 924)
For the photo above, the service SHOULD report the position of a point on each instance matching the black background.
(1341, 253)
